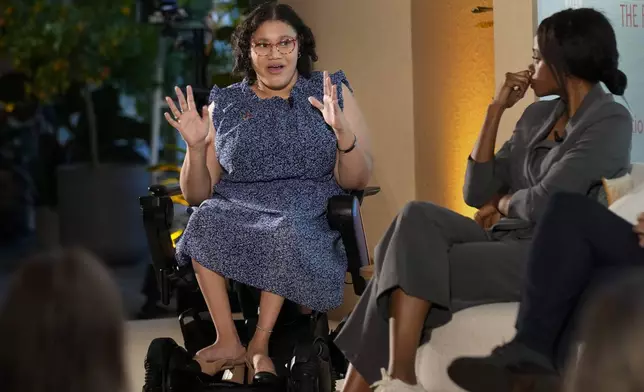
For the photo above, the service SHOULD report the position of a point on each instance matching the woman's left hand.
(329, 107)
(503, 205)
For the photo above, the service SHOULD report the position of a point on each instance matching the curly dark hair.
(582, 43)
(241, 39)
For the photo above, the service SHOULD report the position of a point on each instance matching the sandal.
(213, 367)
(263, 377)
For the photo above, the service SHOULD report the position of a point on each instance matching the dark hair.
(61, 327)
(241, 39)
(611, 330)
(581, 42)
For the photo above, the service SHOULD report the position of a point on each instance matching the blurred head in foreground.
(62, 327)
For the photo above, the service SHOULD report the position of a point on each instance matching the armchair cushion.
(615, 188)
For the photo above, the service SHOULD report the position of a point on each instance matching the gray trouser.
(438, 255)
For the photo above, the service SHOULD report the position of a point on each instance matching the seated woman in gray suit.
(433, 262)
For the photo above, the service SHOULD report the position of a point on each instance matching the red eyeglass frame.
(274, 45)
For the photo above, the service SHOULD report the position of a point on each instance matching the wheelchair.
(301, 346)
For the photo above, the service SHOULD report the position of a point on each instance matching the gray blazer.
(597, 144)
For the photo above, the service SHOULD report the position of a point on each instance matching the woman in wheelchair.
(275, 147)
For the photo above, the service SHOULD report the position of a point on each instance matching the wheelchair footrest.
(170, 368)
(300, 350)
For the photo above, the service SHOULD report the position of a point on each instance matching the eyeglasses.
(285, 46)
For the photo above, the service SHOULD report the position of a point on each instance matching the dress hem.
(186, 255)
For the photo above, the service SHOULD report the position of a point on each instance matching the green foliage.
(62, 48)
(222, 16)
(58, 45)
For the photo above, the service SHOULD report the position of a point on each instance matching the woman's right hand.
(192, 126)
(513, 89)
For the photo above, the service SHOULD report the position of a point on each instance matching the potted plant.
(79, 59)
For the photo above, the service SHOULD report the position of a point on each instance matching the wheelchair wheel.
(311, 368)
(169, 368)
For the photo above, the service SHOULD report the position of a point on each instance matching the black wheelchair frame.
(301, 346)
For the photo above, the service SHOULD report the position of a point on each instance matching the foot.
(389, 384)
(257, 354)
(510, 367)
(259, 361)
(223, 350)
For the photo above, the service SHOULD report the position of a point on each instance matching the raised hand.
(329, 107)
(192, 126)
(514, 88)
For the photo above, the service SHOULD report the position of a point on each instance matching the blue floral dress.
(265, 225)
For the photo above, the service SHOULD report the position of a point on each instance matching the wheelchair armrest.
(371, 191)
(344, 215)
(158, 212)
(164, 190)
(368, 191)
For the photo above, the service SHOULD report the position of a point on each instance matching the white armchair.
(637, 173)
(472, 332)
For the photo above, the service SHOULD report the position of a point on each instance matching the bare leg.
(269, 308)
(228, 346)
(354, 382)
(407, 318)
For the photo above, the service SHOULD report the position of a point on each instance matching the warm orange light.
(470, 88)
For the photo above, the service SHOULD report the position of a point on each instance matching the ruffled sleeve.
(214, 97)
(214, 94)
(339, 78)
(316, 85)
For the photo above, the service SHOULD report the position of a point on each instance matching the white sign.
(627, 18)
(574, 3)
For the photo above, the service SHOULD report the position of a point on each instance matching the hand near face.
(513, 89)
(329, 107)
